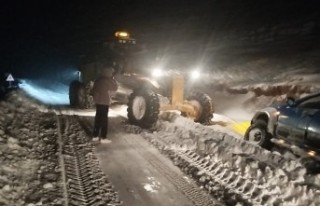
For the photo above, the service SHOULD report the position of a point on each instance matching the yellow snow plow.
(144, 105)
(145, 102)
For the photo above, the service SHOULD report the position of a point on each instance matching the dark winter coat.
(102, 89)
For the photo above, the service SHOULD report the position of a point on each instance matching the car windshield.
(310, 103)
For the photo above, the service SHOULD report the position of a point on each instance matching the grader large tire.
(77, 95)
(203, 103)
(143, 108)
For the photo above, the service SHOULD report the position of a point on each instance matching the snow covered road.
(205, 163)
(142, 175)
(230, 169)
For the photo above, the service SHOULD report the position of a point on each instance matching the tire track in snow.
(83, 181)
(192, 191)
(233, 170)
(218, 179)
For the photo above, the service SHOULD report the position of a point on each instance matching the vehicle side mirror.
(291, 101)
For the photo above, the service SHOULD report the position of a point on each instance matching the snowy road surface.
(232, 170)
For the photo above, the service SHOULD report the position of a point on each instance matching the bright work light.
(195, 74)
(157, 72)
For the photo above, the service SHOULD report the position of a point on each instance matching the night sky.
(50, 35)
(39, 35)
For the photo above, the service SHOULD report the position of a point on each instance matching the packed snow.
(28, 177)
(153, 186)
(31, 173)
(229, 165)
(279, 181)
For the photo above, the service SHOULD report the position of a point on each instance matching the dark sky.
(39, 34)
(51, 34)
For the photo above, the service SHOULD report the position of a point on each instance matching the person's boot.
(95, 139)
(105, 141)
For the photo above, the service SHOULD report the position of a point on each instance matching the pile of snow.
(264, 81)
(231, 167)
(264, 95)
(31, 172)
(27, 175)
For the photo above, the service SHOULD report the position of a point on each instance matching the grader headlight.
(157, 72)
(195, 74)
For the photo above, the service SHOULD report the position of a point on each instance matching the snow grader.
(164, 91)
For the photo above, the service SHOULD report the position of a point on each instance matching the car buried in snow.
(294, 126)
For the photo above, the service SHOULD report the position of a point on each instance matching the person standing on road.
(103, 86)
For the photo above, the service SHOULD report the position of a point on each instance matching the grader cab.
(115, 51)
(164, 91)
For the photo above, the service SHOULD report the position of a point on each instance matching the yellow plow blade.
(240, 127)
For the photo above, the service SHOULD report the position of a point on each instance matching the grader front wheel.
(203, 105)
(143, 108)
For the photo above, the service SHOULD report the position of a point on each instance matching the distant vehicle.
(294, 125)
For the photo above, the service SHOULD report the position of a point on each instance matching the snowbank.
(36, 160)
(233, 170)
(29, 174)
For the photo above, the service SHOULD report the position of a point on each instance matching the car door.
(305, 127)
(313, 131)
(294, 118)
(299, 129)
(288, 116)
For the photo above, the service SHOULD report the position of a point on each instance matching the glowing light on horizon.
(56, 96)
